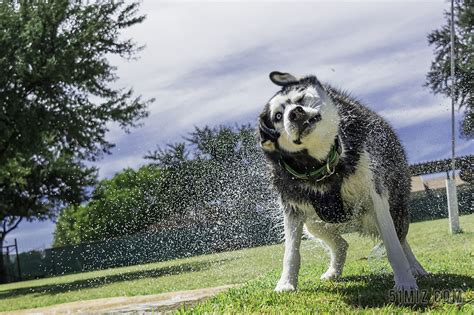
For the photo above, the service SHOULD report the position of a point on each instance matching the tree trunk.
(3, 271)
(7, 227)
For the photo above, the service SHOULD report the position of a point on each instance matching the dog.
(337, 167)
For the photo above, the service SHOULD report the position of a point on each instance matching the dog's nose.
(297, 114)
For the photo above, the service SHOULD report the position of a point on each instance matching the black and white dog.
(337, 166)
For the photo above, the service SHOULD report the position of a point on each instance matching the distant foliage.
(216, 177)
(438, 78)
(431, 203)
(123, 205)
(222, 180)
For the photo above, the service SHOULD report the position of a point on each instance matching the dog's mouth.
(306, 127)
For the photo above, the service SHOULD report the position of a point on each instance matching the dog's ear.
(268, 135)
(282, 79)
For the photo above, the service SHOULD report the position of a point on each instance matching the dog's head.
(301, 116)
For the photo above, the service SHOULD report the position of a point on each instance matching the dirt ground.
(147, 304)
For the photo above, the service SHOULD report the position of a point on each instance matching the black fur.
(359, 129)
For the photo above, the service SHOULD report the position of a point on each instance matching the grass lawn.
(365, 284)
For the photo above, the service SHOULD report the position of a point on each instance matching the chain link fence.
(144, 248)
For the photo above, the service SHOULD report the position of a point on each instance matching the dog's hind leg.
(337, 248)
(293, 225)
(404, 279)
(415, 266)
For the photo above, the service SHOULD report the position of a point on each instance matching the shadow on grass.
(51, 289)
(376, 290)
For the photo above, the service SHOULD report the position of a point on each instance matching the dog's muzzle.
(298, 117)
(302, 121)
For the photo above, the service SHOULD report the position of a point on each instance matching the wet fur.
(371, 182)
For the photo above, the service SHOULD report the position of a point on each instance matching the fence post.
(17, 260)
(453, 212)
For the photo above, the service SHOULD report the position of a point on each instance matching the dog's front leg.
(293, 223)
(404, 279)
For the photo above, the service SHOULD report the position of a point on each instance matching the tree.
(56, 101)
(226, 178)
(438, 78)
(217, 177)
(122, 205)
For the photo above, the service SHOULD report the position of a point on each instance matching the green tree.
(225, 180)
(438, 78)
(216, 177)
(125, 204)
(56, 99)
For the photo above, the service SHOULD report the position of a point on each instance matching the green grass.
(365, 284)
(181, 274)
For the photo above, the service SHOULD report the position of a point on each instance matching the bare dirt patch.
(158, 303)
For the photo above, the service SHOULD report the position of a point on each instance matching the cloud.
(403, 116)
(206, 63)
(431, 140)
(183, 37)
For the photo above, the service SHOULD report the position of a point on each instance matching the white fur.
(355, 192)
(335, 243)
(415, 266)
(358, 192)
(404, 279)
(320, 140)
(291, 261)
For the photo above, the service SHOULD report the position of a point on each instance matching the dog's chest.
(351, 198)
(355, 190)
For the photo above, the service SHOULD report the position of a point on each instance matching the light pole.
(451, 191)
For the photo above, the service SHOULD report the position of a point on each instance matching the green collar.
(320, 173)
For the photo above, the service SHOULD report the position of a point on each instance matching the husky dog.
(337, 167)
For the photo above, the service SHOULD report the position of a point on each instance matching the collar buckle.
(329, 172)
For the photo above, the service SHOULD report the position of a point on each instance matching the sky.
(207, 63)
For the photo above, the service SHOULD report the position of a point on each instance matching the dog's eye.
(278, 116)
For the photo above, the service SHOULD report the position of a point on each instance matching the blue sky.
(207, 63)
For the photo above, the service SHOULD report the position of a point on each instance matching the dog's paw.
(418, 271)
(406, 286)
(285, 287)
(331, 274)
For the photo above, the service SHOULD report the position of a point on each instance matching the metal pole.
(8, 261)
(453, 81)
(451, 192)
(17, 260)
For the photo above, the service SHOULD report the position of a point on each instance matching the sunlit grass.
(181, 274)
(365, 284)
